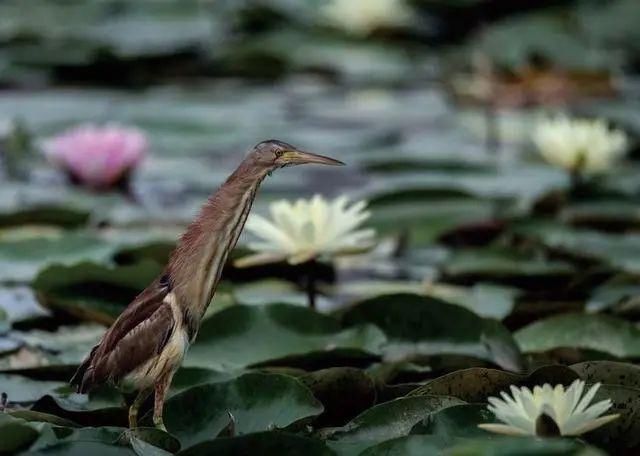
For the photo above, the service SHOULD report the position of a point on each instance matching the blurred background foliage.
(488, 258)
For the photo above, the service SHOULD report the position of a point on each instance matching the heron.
(146, 344)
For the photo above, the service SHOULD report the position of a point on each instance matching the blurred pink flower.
(97, 156)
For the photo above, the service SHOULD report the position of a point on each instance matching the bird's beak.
(298, 157)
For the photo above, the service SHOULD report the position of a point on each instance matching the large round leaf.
(243, 335)
(20, 260)
(609, 372)
(616, 250)
(519, 446)
(505, 266)
(92, 291)
(262, 443)
(20, 389)
(257, 402)
(343, 391)
(418, 325)
(477, 383)
(44, 215)
(623, 433)
(601, 333)
(15, 434)
(392, 419)
(452, 423)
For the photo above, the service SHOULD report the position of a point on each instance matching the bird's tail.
(83, 378)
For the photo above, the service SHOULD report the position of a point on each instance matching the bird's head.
(273, 154)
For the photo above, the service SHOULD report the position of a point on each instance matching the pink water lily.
(97, 156)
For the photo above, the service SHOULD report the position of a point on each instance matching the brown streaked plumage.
(146, 344)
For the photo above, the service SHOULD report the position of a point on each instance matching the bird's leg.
(135, 406)
(162, 386)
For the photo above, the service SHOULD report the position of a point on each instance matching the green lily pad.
(21, 389)
(17, 434)
(505, 266)
(614, 295)
(391, 419)
(411, 445)
(143, 441)
(620, 251)
(33, 416)
(81, 448)
(187, 377)
(513, 40)
(606, 214)
(486, 300)
(266, 443)
(92, 291)
(609, 372)
(601, 333)
(477, 383)
(258, 402)
(343, 391)
(522, 446)
(69, 344)
(455, 422)
(69, 410)
(240, 336)
(424, 224)
(45, 215)
(418, 325)
(624, 432)
(514, 183)
(21, 260)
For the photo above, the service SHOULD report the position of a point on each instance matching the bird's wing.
(138, 334)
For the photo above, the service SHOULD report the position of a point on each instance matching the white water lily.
(580, 145)
(569, 409)
(303, 230)
(361, 17)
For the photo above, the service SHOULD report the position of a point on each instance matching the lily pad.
(17, 434)
(418, 325)
(504, 266)
(65, 408)
(486, 300)
(21, 260)
(411, 445)
(609, 372)
(92, 291)
(240, 336)
(21, 389)
(392, 419)
(624, 432)
(476, 384)
(266, 443)
(455, 422)
(614, 295)
(601, 333)
(258, 402)
(81, 448)
(519, 446)
(343, 391)
(45, 215)
(620, 251)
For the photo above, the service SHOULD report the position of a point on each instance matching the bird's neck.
(197, 262)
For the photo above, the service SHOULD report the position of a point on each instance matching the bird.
(146, 344)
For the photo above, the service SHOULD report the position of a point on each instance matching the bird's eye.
(279, 153)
